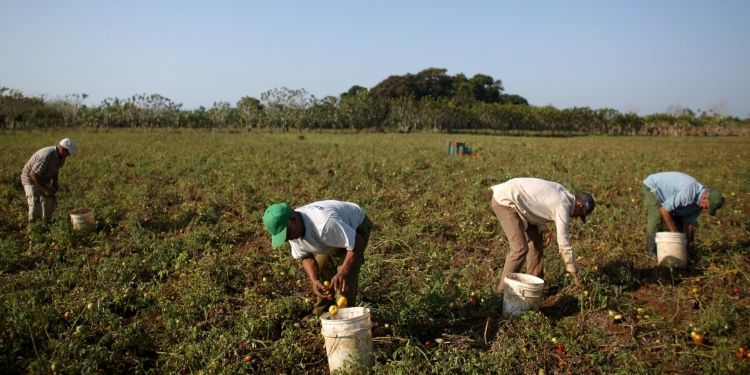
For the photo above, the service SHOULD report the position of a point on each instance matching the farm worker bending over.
(323, 235)
(675, 199)
(524, 207)
(40, 178)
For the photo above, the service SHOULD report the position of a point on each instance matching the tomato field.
(179, 275)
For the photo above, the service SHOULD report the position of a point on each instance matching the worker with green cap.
(330, 238)
(675, 200)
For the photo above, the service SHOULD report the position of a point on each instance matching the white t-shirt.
(329, 225)
(539, 202)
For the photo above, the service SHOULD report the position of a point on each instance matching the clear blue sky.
(640, 56)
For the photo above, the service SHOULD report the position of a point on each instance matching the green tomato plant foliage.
(179, 275)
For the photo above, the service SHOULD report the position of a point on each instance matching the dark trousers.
(328, 265)
(655, 220)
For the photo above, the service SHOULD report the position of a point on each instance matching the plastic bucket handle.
(531, 293)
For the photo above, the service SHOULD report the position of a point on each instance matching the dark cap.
(588, 204)
(715, 201)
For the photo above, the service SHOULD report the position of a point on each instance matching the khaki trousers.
(525, 243)
(328, 265)
(40, 207)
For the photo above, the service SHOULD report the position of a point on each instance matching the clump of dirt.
(653, 297)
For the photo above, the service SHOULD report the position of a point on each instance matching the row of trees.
(429, 100)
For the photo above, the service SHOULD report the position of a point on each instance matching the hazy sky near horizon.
(636, 56)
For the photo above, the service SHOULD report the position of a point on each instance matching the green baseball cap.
(715, 201)
(275, 220)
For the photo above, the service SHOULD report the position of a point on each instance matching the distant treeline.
(428, 100)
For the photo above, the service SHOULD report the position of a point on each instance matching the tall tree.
(250, 111)
(354, 90)
(486, 88)
(433, 82)
(286, 107)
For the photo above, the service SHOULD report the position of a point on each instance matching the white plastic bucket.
(348, 338)
(671, 249)
(522, 293)
(83, 219)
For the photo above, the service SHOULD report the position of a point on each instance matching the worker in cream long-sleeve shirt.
(524, 207)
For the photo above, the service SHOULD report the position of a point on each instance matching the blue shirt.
(678, 193)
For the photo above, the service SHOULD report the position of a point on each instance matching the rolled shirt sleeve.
(297, 251)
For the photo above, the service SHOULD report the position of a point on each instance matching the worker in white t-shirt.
(330, 238)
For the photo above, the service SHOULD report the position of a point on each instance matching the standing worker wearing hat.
(675, 200)
(525, 206)
(40, 178)
(323, 235)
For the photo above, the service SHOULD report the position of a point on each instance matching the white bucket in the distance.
(348, 338)
(83, 219)
(671, 249)
(522, 293)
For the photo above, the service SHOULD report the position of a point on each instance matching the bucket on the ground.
(83, 219)
(458, 148)
(522, 293)
(671, 249)
(348, 338)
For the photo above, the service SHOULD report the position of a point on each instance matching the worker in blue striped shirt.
(674, 201)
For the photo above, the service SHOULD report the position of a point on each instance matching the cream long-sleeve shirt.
(539, 202)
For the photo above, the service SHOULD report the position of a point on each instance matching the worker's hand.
(338, 281)
(48, 192)
(320, 290)
(547, 238)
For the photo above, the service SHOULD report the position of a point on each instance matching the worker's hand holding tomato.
(321, 290)
(338, 282)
